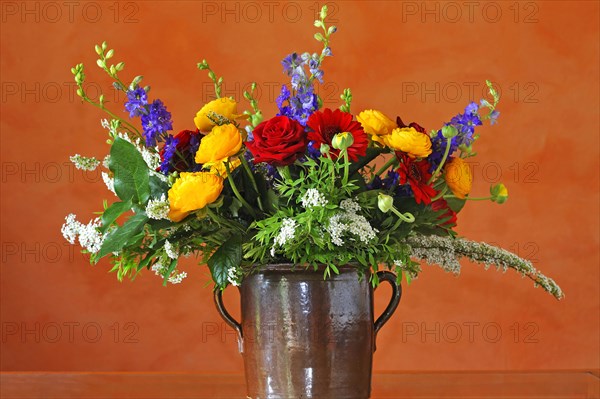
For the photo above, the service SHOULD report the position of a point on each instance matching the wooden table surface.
(463, 385)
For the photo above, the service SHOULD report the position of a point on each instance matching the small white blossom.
(171, 250)
(313, 198)
(84, 163)
(104, 123)
(336, 230)
(286, 234)
(105, 161)
(233, 276)
(349, 205)
(109, 181)
(90, 237)
(70, 229)
(348, 221)
(160, 269)
(177, 278)
(158, 208)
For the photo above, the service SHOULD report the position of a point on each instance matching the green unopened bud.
(499, 193)
(385, 202)
(323, 13)
(449, 131)
(324, 149)
(342, 141)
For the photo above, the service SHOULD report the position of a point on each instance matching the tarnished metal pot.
(305, 337)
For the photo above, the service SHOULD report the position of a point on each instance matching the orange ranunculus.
(459, 177)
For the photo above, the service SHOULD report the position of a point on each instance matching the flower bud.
(385, 202)
(449, 131)
(342, 141)
(499, 193)
(324, 149)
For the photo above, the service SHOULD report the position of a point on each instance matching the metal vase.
(305, 337)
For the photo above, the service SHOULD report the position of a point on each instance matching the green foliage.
(116, 239)
(130, 171)
(229, 255)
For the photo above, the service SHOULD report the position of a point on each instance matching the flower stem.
(469, 198)
(389, 163)
(252, 180)
(442, 162)
(346, 166)
(237, 193)
(103, 108)
(407, 217)
(440, 194)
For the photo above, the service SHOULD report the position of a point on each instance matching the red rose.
(278, 141)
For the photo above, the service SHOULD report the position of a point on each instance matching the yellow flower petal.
(410, 141)
(222, 142)
(193, 191)
(220, 169)
(225, 107)
(376, 123)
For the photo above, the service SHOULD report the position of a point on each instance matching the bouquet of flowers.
(310, 186)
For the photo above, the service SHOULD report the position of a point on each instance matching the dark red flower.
(416, 173)
(187, 145)
(449, 215)
(327, 123)
(278, 141)
(414, 125)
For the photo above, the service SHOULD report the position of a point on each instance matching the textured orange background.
(421, 60)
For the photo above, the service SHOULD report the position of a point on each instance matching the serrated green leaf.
(130, 171)
(227, 256)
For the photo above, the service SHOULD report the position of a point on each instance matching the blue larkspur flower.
(168, 151)
(292, 63)
(156, 123)
(137, 100)
(494, 117)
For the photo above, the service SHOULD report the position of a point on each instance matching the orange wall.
(421, 60)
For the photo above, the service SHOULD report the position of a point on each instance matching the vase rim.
(292, 267)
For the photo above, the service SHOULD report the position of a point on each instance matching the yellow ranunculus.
(376, 124)
(410, 141)
(220, 169)
(458, 177)
(225, 106)
(193, 191)
(222, 142)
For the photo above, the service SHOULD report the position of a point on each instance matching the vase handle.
(394, 301)
(228, 318)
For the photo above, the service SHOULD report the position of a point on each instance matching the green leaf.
(131, 172)
(112, 213)
(157, 187)
(227, 256)
(172, 266)
(456, 204)
(118, 238)
(372, 153)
